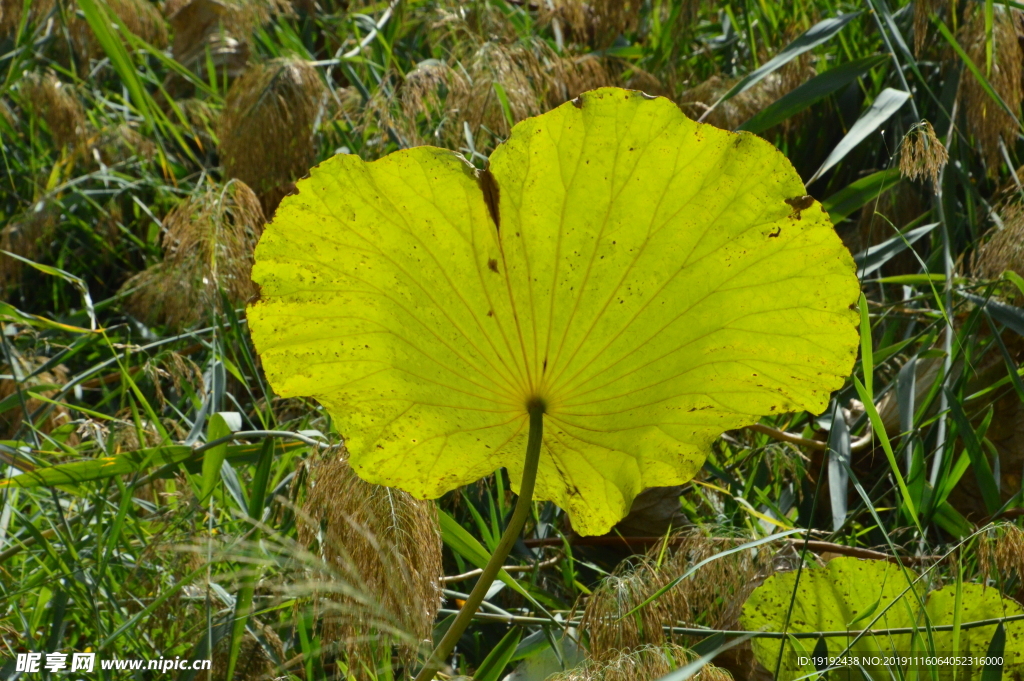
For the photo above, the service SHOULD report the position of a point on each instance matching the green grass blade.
(217, 428)
(993, 670)
(77, 472)
(496, 661)
(811, 92)
(871, 259)
(979, 462)
(855, 195)
(463, 543)
(888, 102)
(821, 32)
(879, 428)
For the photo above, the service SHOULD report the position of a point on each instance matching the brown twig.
(1008, 513)
(812, 544)
(508, 568)
(858, 445)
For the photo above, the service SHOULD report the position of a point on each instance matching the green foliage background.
(145, 145)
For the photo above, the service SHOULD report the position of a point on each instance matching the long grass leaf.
(855, 195)
(816, 35)
(979, 462)
(888, 102)
(811, 92)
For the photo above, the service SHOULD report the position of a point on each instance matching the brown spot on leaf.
(799, 203)
(489, 186)
(492, 265)
(578, 102)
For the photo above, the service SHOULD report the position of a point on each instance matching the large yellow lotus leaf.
(849, 594)
(652, 280)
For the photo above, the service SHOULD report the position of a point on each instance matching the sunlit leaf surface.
(849, 594)
(653, 281)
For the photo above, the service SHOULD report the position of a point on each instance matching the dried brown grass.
(121, 143)
(26, 236)
(922, 155)
(266, 128)
(713, 596)
(596, 23)
(731, 113)
(11, 14)
(211, 31)
(1000, 551)
(486, 60)
(1009, 551)
(533, 77)
(139, 17)
(1003, 250)
(986, 119)
(385, 543)
(208, 241)
(12, 420)
(609, 632)
(255, 658)
(243, 16)
(177, 371)
(643, 664)
(56, 103)
(923, 9)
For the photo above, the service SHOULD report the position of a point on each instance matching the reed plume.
(385, 543)
(208, 241)
(987, 121)
(278, 101)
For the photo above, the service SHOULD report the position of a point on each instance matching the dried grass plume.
(922, 155)
(266, 128)
(11, 14)
(25, 235)
(596, 23)
(386, 544)
(731, 113)
(1003, 250)
(712, 597)
(139, 17)
(643, 664)
(986, 119)
(208, 241)
(1001, 547)
(57, 104)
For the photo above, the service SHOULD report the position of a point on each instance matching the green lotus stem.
(494, 565)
